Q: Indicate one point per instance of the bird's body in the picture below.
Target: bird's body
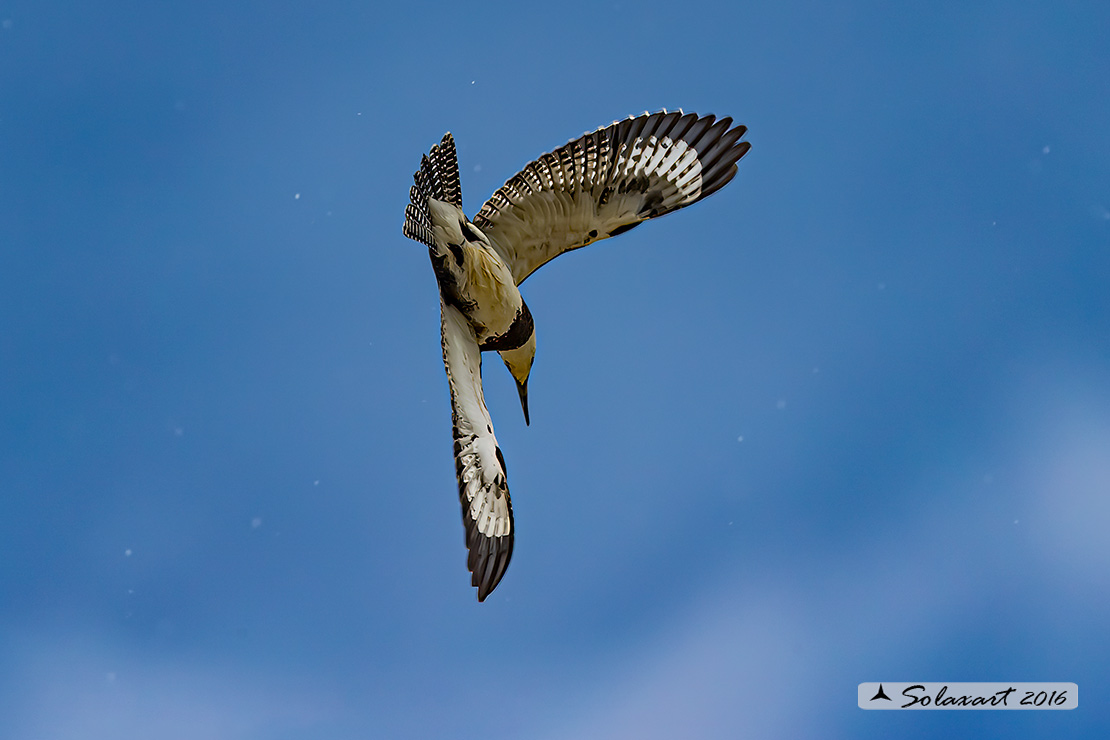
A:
(597, 186)
(474, 277)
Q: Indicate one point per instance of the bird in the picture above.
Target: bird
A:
(597, 186)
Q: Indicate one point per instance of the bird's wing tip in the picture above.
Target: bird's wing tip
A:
(487, 511)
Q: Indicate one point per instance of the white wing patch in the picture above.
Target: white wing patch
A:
(483, 485)
(607, 182)
(674, 162)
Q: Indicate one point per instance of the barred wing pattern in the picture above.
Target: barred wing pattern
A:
(483, 487)
(608, 182)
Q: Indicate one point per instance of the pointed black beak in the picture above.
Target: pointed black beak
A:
(522, 389)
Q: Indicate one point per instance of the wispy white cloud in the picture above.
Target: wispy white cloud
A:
(1070, 485)
(77, 686)
(736, 661)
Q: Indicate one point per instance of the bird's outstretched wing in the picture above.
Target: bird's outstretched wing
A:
(608, 182)
(483, 488)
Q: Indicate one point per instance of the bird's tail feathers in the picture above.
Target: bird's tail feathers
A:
(438, 177)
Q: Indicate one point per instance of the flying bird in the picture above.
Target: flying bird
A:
(597, 186)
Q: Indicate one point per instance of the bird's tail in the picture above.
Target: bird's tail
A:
(438, 177)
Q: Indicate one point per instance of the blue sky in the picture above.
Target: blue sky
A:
(847, 420)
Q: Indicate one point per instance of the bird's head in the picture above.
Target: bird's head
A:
(519, 362)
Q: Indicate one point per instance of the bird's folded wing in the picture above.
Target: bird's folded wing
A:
(483, 488)
(607, 182)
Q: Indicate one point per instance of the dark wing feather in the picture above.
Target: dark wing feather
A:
(483, 486)
(607, 182)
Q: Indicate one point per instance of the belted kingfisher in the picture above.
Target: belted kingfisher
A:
(597, 186)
